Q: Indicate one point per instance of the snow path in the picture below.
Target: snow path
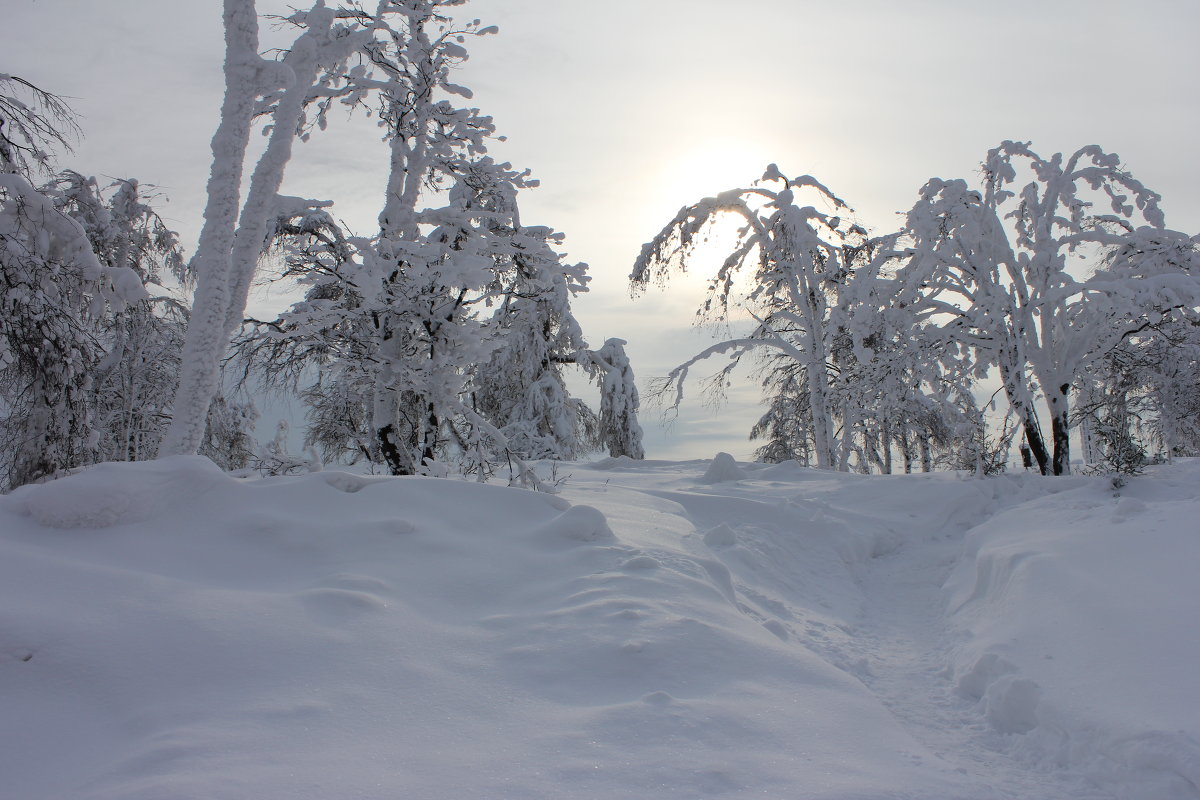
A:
(893, 637)
(902, 638)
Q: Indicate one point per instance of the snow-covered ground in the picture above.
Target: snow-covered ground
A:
(658, 629)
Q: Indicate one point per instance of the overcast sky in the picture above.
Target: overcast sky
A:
(628, 110)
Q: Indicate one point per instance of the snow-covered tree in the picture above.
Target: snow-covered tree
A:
(619, 430)
(899, 384)
(423, 274)
(797, 260)
(233, 233)
(245, 81)
(997, 272)
(53, 288)
(504, 374)
(140, 343)
(1141, 400)
(786, 425)
(228, 439)
(535, 336)
(33, 123)
(444, 335)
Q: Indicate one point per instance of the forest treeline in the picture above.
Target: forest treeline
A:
(440, 341)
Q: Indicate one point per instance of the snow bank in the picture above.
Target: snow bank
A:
(169, 631)
(1079, 620)
(118, 494)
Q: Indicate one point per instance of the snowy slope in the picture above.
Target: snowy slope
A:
(659, 629)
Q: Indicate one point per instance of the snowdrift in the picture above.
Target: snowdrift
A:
(659, 629)
(1081, 614)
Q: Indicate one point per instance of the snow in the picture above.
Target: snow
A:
(723, 468)
(167, 630)
(1117, 566)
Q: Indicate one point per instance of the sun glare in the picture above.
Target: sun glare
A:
(699, 169)
(705, 168)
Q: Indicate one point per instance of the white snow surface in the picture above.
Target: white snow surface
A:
(169, 631)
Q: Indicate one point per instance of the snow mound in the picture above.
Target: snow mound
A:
(578, 523)
(723, 468)
(116, 494)
(626, 464)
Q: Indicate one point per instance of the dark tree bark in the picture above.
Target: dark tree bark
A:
(1060, 430)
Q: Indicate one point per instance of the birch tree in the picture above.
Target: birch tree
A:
(797, 260)
(996, 271)
(444, 335)
(535, 337)
(233, 233)
(139, 343)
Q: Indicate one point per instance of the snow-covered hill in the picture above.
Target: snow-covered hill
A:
(659, 629)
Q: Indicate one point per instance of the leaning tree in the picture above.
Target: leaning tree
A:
(798, 262)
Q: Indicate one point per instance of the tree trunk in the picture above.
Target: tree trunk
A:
(1037, 445)
(887, 449)
(393, 452)
(1028, 417)
(207, 336)
(1060, 429)
(433, 428)
(822, 433)
(871, 449)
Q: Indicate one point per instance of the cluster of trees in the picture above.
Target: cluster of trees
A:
(439, 340)
(443, 336)
(1056, 277)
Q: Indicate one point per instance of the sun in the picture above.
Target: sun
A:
(706, 167)
(699, 168)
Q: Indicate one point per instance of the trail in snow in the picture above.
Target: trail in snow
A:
(893, 637)
(903, 638)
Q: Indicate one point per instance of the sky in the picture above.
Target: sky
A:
(628, 110)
